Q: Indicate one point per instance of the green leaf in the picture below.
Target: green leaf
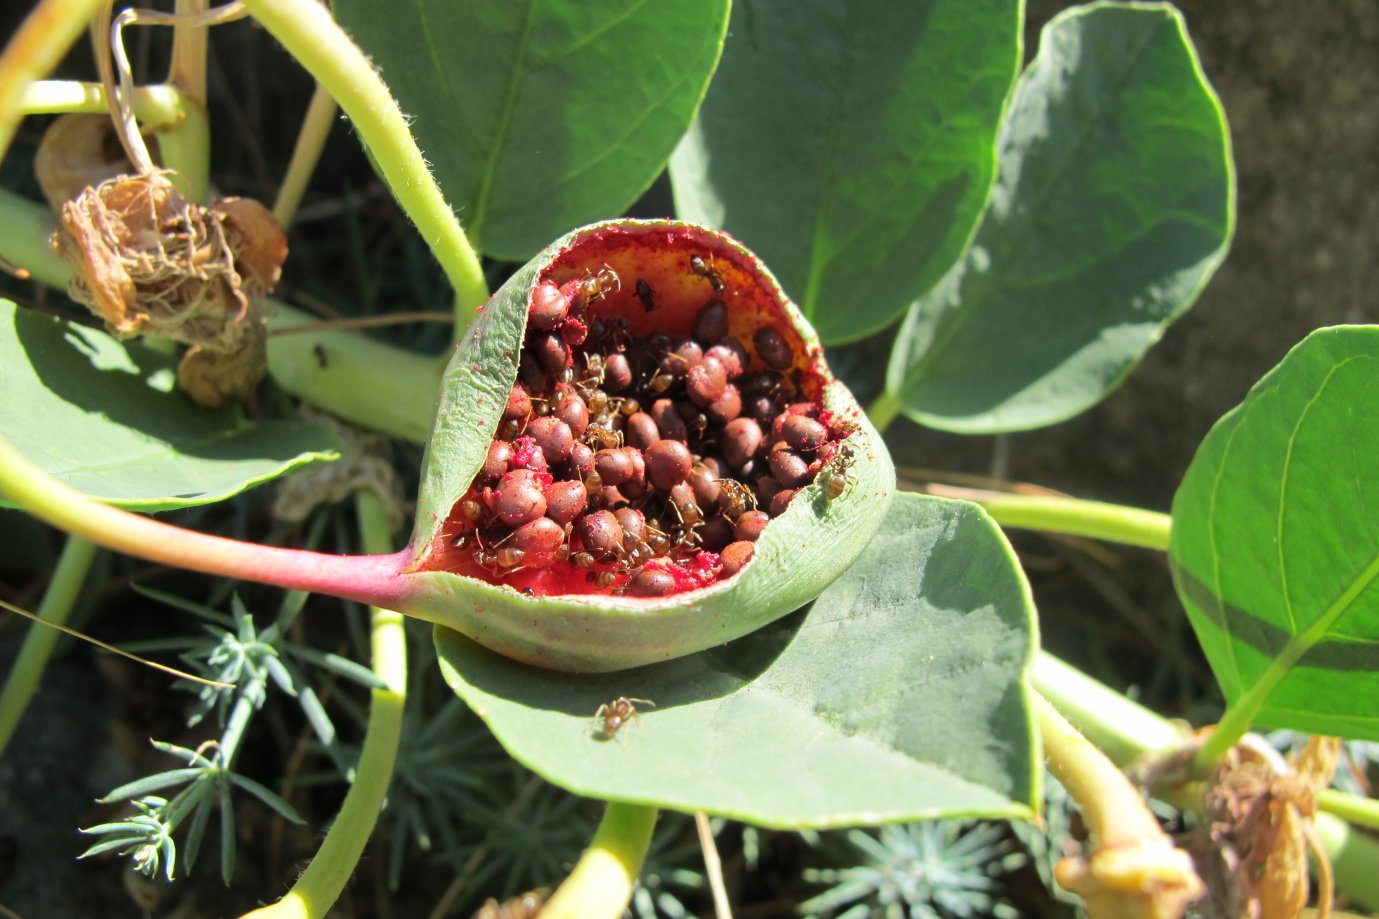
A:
(852, 146)
(104, 416)
(1113, 205)
(1275, 546)
(540, 117)
(899, 694)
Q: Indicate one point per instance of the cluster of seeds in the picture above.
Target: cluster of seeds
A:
(644, 465)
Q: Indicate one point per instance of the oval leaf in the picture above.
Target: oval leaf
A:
(1275, 550)
(104, 416)
(1113, 205)
(898, 695)
(540, 117)
(852, 145)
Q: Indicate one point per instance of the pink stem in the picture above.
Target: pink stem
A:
(372, 579)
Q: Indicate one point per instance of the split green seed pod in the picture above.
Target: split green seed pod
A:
(587, 629)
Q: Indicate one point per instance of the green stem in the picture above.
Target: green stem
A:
(350, 375)
(42, 40)
(58, 600)
(1359, 811)
(601, 884)
(320, 885)
(306, 29)
(883, 411)
(311, 140)
(1112, 522)
(1124, 729)
(1132, 731)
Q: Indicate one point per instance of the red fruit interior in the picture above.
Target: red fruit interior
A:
(609, 263)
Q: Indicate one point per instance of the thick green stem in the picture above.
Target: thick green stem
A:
(320, 885)
(1359, 811)
(600, 886)
(56, 606)
(1131, 731)
(1112, 522)
(350, 375)
(883, 411)
(43, 38)
(311, 140)
(306, 29)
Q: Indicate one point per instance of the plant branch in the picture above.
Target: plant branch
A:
(311, 140)
(58, 600)
(1117, 523)
(43, 38)
(321, 884)
(187, 71)
(306, 29)
(372, 579)
(1135, 868)
(883, 411)
(600, 886)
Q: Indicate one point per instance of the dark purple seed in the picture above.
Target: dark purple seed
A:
(668, 463)
(651, 582)
(570, 408)
(668, 421)
(681, 358)
(735, 556)
(601, 534)
(712, 464)
(617, 373)
(518, 498)
(519, 402)
(613, 466)
(780, 500)
(712, 323)
(581, 461)
(773, 348)
(789, 468)
(633, 524)
(529, 369)
(762, 408)
(565, 501)
(767, 486)
(730, 353)
(551, 352)
(548, 307)
(716, 534)
(726, 407)
(705, 485)
(641, 431)
(741, 440)
(496, 463)
(538, 540)
(803, 433)
(553, 437)
(706, 381)
(611, 497)
(750, 525)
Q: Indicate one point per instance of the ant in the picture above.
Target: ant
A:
(617, 713)
(837, 476)
(705, 271)
(735, 498)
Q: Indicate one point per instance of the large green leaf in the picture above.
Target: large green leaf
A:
(105, 417)
(898, 694)
(1275, 542)
(538, 117)
(852, 145)
(1113, 205)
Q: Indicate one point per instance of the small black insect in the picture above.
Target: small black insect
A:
(646, 295)
(320, 352)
